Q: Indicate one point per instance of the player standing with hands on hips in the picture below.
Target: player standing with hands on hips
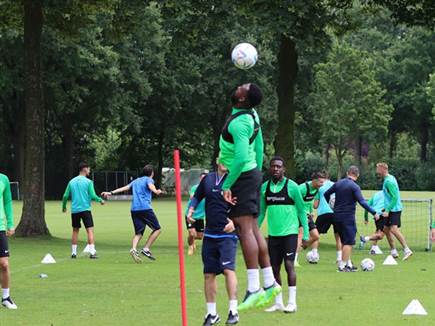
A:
(241, 152)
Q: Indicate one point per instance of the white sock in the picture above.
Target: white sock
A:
(314, 251)
(233, 306)
(406, 249)
(367, 238)
(349, 263)
(5, 293)
(296, 257)
(394, 251)
(146, 249)
(292, 294)
(268, 277)
(74, 249)
(341, 264)
(253, 280)
(339, 255)
(211, 308)
(278, 300)
(92, 250)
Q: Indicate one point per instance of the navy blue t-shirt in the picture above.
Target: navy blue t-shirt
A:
(216, 208)
(347, 193)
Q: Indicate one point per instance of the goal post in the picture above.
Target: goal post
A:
(416, 222)
(15, 190)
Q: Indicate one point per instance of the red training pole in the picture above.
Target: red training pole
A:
(180, 237)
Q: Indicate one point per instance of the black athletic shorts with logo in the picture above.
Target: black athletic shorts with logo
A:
(142, 219)
(198, 225)
(4, 248)
(324, 222)
(282, 248)
(346, 229)
(247, 191)
(85, 216)
(380, 223)
(394, 218)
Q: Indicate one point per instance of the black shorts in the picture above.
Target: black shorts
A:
(198, 225)
(219, 254)
(282, 248)
(247, 191)
(380, 224)
(324, 222)
(347, 231)
(4, 248)
(311, 224)
(394, 218)
(141, 219)
(85, 216)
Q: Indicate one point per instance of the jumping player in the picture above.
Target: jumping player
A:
(282, 203)
(241, 152)
(219, 245)
(82, 192)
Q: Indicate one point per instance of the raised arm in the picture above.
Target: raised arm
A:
(107, 194)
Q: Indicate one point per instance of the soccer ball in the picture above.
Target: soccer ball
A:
(312, 258)
(332, 201)
(367, 265)
(244, 56)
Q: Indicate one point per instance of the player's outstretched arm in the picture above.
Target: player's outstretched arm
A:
(153, 188)
(359, 197)
(107, 194)
(65, 197)
(93, 194)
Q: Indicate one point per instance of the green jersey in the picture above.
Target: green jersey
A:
(242, 154)
(199, 213)
(82, 192)
(6, 212)
(283, 204)
(308, 194)
(391, 192)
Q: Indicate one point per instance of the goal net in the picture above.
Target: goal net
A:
(15, 189)
(416, 222)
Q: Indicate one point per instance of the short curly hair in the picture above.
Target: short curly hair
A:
(255, 96)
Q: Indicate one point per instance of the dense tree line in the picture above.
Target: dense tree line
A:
(122, 83)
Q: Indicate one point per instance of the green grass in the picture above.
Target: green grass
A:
(115, 291)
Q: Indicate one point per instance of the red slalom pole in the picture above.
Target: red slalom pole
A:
(180, 237)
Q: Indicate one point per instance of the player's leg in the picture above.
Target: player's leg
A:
(139, 229)
(191, 239)
(276, 254)
(76, 225)
(153, 223)
(347, 231)
(88, 222)
(227, 258)
(290, 246)
(395, 223)
(4, 272)
(391, 242)
(338, 246)
(211, 262)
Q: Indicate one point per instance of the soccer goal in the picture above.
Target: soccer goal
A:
(416, 224)
(15, 189)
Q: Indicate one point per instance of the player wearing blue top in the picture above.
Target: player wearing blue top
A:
(347, 193)
(219, 244)
(195, 224)
(142, 213)
(392, 211)
(325, 215)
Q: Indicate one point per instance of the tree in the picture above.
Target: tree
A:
(32, 220)
(348, 101)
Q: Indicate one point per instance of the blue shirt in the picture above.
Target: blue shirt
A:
(324, 207)
(347, 193)
(142, 194)
(377, 202)
(216, 208)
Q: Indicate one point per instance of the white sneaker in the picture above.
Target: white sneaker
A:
(395, 254)
(8, 303)
(275, 307)
(407, 255)
(377, 250)
(290, 308)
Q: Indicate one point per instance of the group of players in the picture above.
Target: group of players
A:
(237, 201)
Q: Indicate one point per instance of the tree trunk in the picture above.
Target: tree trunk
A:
(288, 68)
(160, 158)
(359, 144)
(33, 220)
(327, 155)
(392, 145)
(424, 140)
(340, 155)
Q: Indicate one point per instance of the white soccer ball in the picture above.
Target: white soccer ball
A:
(367, 265)
(332, 201)
(312, 258)
(244, 56)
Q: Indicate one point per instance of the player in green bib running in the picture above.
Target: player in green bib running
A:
(195, 223)
(309, 190)
(82, 192)
(241, 152)
(282, 204)
(6, 230)
(392, 210)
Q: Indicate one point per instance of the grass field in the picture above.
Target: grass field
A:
(115, 291)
